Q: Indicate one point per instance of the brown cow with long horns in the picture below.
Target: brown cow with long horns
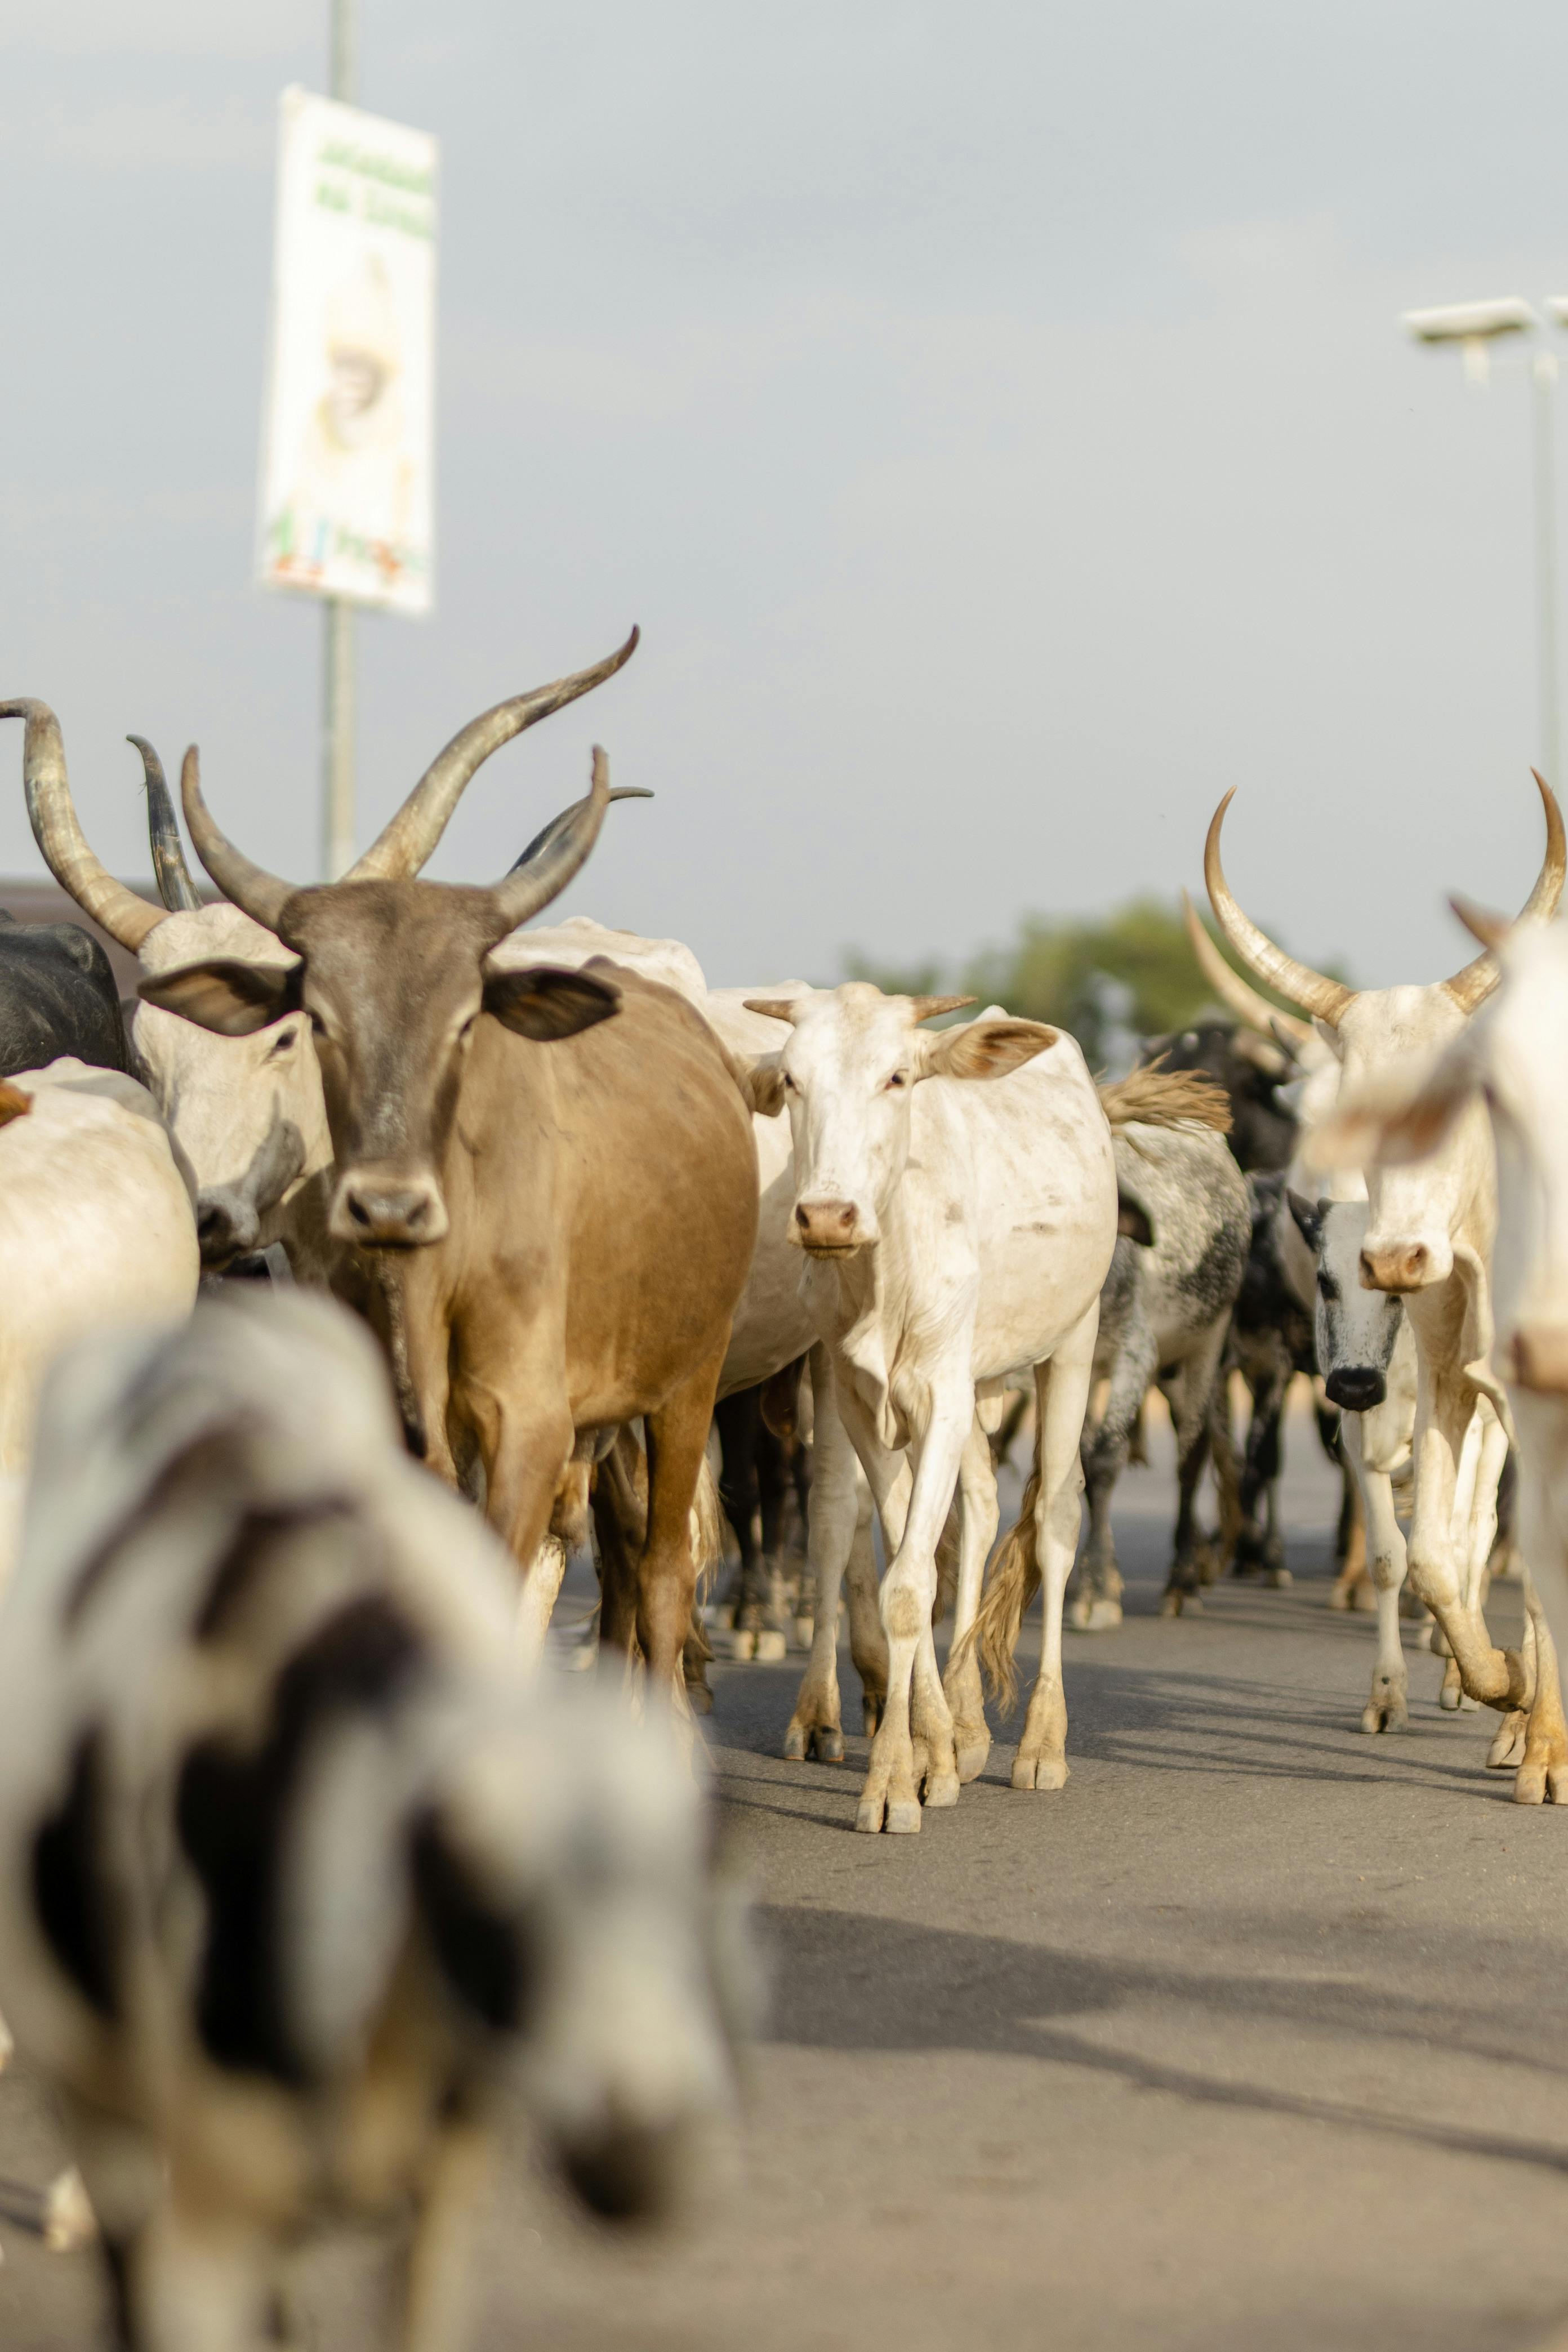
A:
(545, 1188)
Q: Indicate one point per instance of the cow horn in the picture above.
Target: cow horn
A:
(1480, 977)
(926, 1008)
(1231, 988)
(1482, 923)
(775, 1008)
(1303, 986)
(175, 886)
(256, 893)
(407, 839)
(124, 914)
(551, 832)
(562, 851)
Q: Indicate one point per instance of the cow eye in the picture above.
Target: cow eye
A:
(790, 1087)
(898, 1079)
(317, 1027)
(282, 1041)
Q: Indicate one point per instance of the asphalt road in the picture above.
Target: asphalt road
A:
(1255, 2035)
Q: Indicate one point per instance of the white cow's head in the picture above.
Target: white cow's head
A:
(1416, 1213)
(1509, 1059)
(1354, 1330)
(852, 1062)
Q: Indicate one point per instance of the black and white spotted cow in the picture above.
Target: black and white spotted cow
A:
(297, 1869)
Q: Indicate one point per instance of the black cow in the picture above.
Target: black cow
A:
(1262, 1134)
(57, 996)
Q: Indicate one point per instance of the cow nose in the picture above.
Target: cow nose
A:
(1355, 1387)
(226, 1225)
(1396, 1266)
(827, 1226)
(379, 1214)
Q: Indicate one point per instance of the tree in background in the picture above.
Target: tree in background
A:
(1100, 977)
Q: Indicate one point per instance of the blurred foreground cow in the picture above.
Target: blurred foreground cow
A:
(1513, 1059)
(953, 1232)
(298, 1875)
(544, 1189)
(1428, 1240)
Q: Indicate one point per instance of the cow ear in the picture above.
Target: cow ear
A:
(546, 1002)
(983, 1049)
(15, 1103)
(1308, 1220)
(761, 1082)
(1132, 1220)
(230, 998)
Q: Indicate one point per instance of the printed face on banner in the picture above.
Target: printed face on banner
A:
(347, 460)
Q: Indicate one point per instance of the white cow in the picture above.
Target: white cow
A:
(1511, 1059)
(1428, 1240)
(97, 1229)
(953, 1232)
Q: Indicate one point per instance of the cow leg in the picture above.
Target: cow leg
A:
(739, 1421)
(916, 1708)
(1387, 1709)
(1352, 1577)
(203, 2281)
(667, 1573)
(1061, 1388)
(772, 1491)
(1461, 1516)
(867, 1642)
(536, 1603)
(435, 2284)
(1098, 1603)
(1542, 1741)
(815, 1728)
(1444, 1407)
(1189, 1396)
(1226, 1472)
(977, 1486)
(1259, 1546)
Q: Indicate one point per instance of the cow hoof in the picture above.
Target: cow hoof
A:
(700, 1698)
(1452, 1693)
(1176, 1603)
(1341, 1596)
(771, 1649)
(974, 1748)
(741, 1646)
(804, 1632)
(1276, 1579)
(827, 1744)
(1508, 1745)
(941, 1791)
(1039, 1772)
(1469, 1706)
(1097, 1615)
(1385, 1715)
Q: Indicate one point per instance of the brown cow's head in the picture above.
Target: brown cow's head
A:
(393, 976)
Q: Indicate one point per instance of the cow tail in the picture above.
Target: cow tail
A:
(1014, 1580)
(707, 1523)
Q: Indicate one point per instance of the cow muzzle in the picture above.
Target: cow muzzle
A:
(1537, 1358)
(383, 1210)
(1405, 1265)
(1355, 1387)
(830, 1228)
(226, 1225)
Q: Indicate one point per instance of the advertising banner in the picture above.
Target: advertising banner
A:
(348, 432)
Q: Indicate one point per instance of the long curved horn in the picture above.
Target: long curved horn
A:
(256, 893)
(551, 832)
(1303, 986)
(1490, 929)
(175, 886)
(124, 914)
(567, 842)
(407, 839)
(1231, 988)
(926, 1008)
(1480, 977)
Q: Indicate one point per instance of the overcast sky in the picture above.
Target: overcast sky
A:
(994, 414)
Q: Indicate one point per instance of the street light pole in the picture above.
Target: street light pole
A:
(1476, 326)
(338, 642)
(1544, 393)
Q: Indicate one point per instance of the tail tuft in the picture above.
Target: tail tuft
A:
(1014, 1580)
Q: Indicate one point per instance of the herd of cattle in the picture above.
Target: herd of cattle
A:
(298, 1859)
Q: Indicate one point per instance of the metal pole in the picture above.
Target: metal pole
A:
(338, 639)
(1543, 378)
